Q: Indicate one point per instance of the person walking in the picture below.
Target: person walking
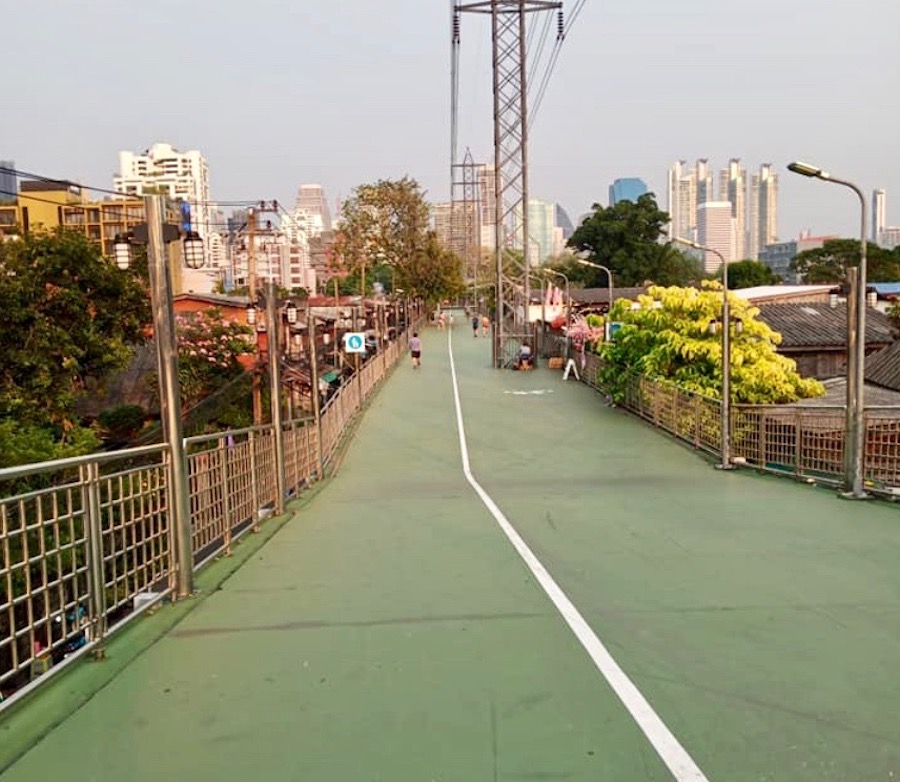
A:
(485, 325)
(475, 326)
(415, 349)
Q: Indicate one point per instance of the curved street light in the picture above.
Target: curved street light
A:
(726, 353)
(854, 429)
(609, 278)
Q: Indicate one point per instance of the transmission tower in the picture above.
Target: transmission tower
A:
(465, 215)
(510, 59)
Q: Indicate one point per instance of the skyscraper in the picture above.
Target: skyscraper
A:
(716, 230)
(486, 182)
(682, 201)
(763, 224)
(704, 181)
(627, 189)
(733, 188)
(879, 214)
(311, 199)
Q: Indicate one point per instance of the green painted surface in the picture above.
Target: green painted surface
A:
(389, 631)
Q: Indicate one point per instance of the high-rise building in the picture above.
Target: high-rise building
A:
(879, 213)
(457, 231)
(716, 230)
(546, 236)
(626, 189)
(486, 181)
(8, 182)
(704, 179)
(311, 199)
(163, 169)
(564, 223)
(890, 237)
(733, 188)
(763, 224)
(682, 201)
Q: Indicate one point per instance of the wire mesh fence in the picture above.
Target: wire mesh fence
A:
(803, 441)
(87, 543)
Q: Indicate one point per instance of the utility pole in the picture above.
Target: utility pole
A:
(169, 392)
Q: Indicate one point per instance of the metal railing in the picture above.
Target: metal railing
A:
(802, 441)
(86, 543)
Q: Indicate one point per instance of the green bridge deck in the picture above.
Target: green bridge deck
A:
(389, 630)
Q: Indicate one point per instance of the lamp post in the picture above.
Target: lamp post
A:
(156, 234)
(726, 353)
(548, 270)
(855, 428)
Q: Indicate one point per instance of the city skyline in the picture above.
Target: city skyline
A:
(775, 110)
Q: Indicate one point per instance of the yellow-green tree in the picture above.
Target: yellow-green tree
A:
(668, 334)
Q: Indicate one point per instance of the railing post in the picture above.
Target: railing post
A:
(90, 482)
(798, 443)
(254, 482)
(226, 500)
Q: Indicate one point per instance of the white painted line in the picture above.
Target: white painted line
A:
(670, 751)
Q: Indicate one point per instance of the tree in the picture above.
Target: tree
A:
(385, 222)
(209, 349)
(668, 337)
(748, 274)
(625, 238)
(67, 315)
(829, 262)
(433, 273)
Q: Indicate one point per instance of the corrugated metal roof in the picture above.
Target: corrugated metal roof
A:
(812, 324)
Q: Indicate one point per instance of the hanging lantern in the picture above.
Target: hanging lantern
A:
(122, 251)
(290, 311)
(194, 251)
(251, 315)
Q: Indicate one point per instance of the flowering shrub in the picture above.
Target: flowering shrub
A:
(666, 335)
(209, 347)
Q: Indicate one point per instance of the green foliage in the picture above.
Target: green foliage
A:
(625, 238)
(748, 274)
(387, 224)
(433, 273)
(668, 337)
(829, 262)
(122, 422)
(66, 314)
(24, 443)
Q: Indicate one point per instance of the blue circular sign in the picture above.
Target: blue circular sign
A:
(354, 342)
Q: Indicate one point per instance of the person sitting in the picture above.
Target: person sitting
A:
(526, 358)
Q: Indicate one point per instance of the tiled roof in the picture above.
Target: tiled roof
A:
(812, 325)
(883, 367)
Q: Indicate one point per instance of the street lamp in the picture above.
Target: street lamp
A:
(156, 234)
(609, 279)
(726, 353)
(854, 428)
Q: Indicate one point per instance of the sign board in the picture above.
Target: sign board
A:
(354, 342)
(611, 330)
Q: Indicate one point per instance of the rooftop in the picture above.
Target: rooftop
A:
(812, 324)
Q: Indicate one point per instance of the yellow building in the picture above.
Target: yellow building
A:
(48, 205)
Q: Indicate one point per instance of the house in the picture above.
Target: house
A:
(815, 335)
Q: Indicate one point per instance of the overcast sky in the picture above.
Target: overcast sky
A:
(342, 92)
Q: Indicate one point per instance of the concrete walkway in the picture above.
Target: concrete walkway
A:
(391, 632)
